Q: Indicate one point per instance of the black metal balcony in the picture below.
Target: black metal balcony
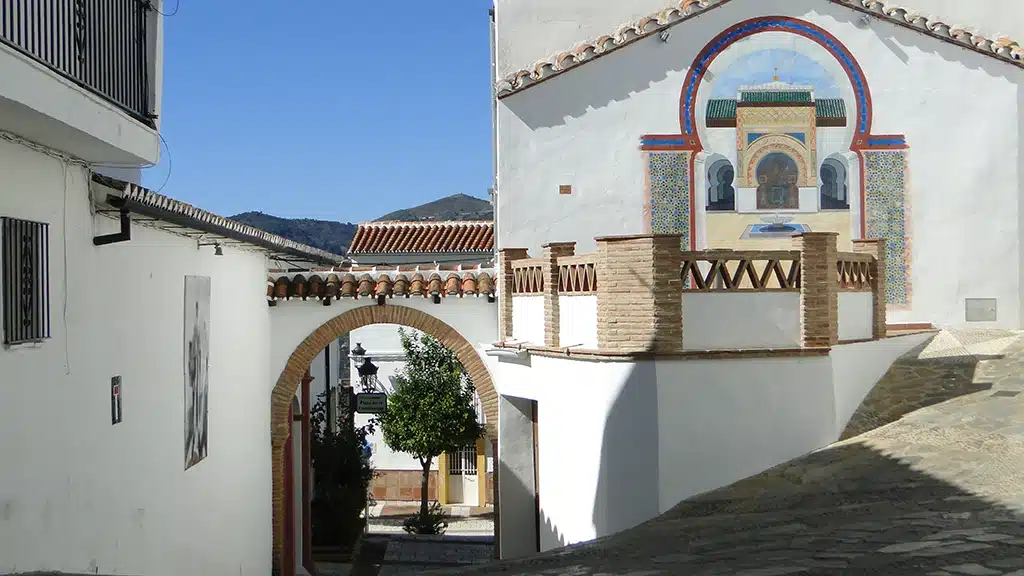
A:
(101, 45)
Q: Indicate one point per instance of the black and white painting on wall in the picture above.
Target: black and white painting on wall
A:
(197, 362)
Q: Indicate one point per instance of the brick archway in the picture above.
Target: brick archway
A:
(299, 361)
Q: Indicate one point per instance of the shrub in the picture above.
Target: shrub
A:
(432, 521)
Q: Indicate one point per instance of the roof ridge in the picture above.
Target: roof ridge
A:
(427, 222)
(1001, 48)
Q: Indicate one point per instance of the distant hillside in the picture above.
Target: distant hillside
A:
(323, 234)
(455, 207)
(336, 236)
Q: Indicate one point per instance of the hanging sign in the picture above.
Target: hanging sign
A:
(371, 402)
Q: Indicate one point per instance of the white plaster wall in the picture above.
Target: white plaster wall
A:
(67, 471)
(516, 479)
(44, 107)
(583, 128)
(577, 321)
(721, 421)
(597, 444)
(856, 315)
(530, 30)
(528, 319)
(856, 368)
(738, 320)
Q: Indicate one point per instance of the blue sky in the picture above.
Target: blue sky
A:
(759, 68)
(334, 110)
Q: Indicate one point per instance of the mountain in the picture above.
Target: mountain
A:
(454, 207)
(323, 234)
(336, 236)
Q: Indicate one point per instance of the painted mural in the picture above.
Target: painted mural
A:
(774, 143)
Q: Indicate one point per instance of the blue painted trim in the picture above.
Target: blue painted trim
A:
(661, 142)
(887, 142)
(798, 136)
(777, 24)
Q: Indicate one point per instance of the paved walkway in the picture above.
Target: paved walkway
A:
(939, 491)
(387, 518)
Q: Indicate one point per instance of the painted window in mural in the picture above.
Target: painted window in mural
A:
(834, 188)
(777, 175)
(721, 192)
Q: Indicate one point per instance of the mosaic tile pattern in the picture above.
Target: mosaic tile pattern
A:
(668, 179)
(886, 216)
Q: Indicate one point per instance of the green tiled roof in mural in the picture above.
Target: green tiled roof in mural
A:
(721, 109)
(830, 108)
(779, 96)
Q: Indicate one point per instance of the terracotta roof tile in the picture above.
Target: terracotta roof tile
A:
(422, 237)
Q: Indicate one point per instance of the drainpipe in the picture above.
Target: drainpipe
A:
(494, 129)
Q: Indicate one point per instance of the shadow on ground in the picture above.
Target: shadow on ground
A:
(848, 509)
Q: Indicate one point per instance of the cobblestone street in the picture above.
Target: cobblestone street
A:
(938, 491)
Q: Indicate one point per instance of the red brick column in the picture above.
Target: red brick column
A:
(819, 289)
(876, 247)
(552, 316)
(639, 294)
(307, 468)
(505, 259)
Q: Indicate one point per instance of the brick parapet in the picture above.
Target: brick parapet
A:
(639, 294)
(819, 289)
(505, 275)
(876, 247)
(552, 314)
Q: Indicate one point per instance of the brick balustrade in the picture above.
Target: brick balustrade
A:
(640, 283)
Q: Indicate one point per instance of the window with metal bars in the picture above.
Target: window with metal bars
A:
(25, 261)
(462, 461)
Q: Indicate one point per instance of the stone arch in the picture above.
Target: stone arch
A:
(300, 359)
(834, 189)
(777, 143)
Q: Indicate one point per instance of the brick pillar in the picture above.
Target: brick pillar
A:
(505, 259)
(819, 289)
(552, 316)
(639, 294)
(876, 247)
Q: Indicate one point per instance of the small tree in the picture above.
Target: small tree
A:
(431, 409)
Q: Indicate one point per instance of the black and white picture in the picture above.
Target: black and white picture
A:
(197, 362)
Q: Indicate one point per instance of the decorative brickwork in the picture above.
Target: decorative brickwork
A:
(552, 252)
(298, 363)
(877, 248)
(819, 289)
(507, 279)
(639, 294)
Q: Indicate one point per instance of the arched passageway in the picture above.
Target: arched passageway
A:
(291, 377)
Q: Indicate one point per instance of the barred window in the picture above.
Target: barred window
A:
(25, 248)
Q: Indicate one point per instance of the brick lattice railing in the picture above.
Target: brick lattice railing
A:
(640, 281)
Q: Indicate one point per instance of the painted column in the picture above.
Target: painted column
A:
(505, 259)
(517, 490)
(307, 477)
(552, 315)
(819, 289)
(876, 247)
(494, 499)
(639, 294)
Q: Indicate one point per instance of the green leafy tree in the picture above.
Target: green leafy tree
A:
(431, 409)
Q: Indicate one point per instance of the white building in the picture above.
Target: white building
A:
(807, 168)
(455, 479)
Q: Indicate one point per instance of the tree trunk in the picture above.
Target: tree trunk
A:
(424, 485)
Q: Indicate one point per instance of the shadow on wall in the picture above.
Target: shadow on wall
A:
(914, 382)
(848, 508)
(628, 480)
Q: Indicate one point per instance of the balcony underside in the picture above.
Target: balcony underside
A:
(43, 107)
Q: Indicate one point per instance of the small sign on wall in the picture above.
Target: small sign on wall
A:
(371, 403)
(115, 400)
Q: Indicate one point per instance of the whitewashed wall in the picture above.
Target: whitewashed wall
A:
(583, 127)
(528, 319)
(577, 321)
(605, 428)
(856, 316)
(79, 495)
(739, 320)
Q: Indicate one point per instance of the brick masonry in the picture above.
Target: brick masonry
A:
(639, 294)
(405, 486)
(877, 248)
(505, 259)
(552, 315)
(288, 383)
(819, 289)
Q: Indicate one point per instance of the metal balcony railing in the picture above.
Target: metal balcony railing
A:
(101, 45)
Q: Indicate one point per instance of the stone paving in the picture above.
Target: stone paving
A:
(414, 555)
(939, 491)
